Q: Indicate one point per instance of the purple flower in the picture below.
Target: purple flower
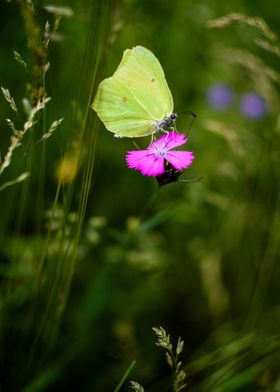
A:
(253, 105)
(219, 96)
(152, 161)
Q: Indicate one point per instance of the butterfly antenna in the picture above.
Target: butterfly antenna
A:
(193, 117)
(192, 114)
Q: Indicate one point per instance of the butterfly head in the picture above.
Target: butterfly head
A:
(167, 123)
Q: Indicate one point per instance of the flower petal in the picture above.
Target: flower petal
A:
(146, 162)
(174, 139)
(152, 166)
(179, 159)
(135, 158)
(168, 141)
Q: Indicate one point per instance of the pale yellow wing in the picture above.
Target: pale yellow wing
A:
(119, 110)
(136, 97)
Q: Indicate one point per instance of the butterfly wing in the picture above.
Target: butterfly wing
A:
(136, 97)
(119, 111)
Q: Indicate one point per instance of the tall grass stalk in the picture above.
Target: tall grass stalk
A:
(50, 282)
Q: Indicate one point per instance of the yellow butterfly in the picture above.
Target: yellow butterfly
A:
(136, 100)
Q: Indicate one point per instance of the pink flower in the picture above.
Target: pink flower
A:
(151, 162)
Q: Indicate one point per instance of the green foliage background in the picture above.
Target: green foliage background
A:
(88, 266)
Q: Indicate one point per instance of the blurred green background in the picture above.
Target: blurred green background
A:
(93, 255)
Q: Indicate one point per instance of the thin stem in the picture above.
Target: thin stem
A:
(124, 377)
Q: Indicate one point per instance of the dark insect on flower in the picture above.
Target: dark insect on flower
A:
(170, 174)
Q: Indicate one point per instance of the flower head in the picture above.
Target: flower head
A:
(152, 161)
(219, 96)
(253, 105)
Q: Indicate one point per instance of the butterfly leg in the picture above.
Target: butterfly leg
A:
(136, 145)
